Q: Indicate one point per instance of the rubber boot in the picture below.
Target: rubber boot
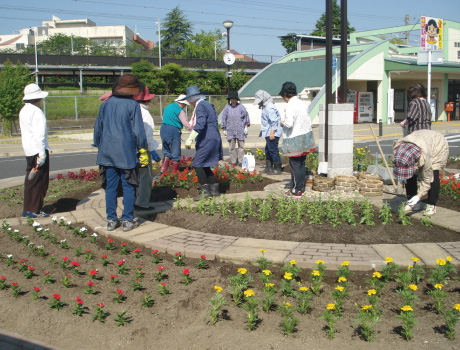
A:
(204, 192)
(175, 166)
(268, 166)
(276, 170)
(165, 165)
(214, 189)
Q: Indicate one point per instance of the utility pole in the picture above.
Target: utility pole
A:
(406, 22)
(159, 41)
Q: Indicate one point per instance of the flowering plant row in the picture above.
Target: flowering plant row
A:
(83, 175)
(450, 186)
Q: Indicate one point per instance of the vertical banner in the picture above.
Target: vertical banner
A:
(431, 33)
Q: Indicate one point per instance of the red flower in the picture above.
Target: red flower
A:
(36, 289)
(53, 254)
(74, 264)
(110, 240)
(46, 273)
(21, 261)
(93, 272)
(203, 257)
(138, 250)
(155, 251)
(65, 259)
(56, 296)
(79, 301)
(139, 267)
(104, 256)
(100, 304)
(163, 284)
(31, 268)
(14, 284)
(120, 263)
(89, 251)
(90, 283)
(113, 276)
(195, 179)
(161, 268)
(119, 292)
(123, 244)
(186, 271)
(2, 278)
(68, 276)
(178, 253)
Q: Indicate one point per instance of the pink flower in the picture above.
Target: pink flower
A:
(178, 253)
(120, 263)
(119, 292)
(163, 284)
(68, 276)
(65, 259)
(155, 251)
(79, 301)
(3, 278)
(46, 273)
(21, 261)
(56, 296)
(110, 240)
(113, 276)
(93, 272)
(124, 244)
(53, 254)
(161, 268)
(186, 271)
(74, 264)
(89, 251)
(14, 284)
(100, 304)
(36, 289)
(138, 250)
(31, 268)
(90, 283)
(203, 257)
(139, 267)
(104, 256)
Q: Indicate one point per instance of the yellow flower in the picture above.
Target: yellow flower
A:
(285, 303)
(409, 267)
(377, 274)
(249, 293)
(413, 286)
(388, 260)
(242, 270)
(345, 263)
(438, 286)
(415, 259)
(316, 273)
(269, 285)
(330, 306)
(371, 292)
(303, 289)
(440, 262)
(448, 258)
(406, 308)
(292, 262)
(287, 276)
(319, 262)
(457, 307)
(218, 289)
(266, 272)
(366, 307)
(340, 288)
(262, 250)
(342, 279)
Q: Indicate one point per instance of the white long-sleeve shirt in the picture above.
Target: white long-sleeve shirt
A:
(34, 132)
(296, 121)
(149, 126)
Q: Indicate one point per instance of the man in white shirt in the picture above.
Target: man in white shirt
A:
(35, 144)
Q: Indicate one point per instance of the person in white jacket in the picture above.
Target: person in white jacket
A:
(32, 121)
(146, 173)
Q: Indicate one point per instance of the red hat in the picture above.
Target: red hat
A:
(144, 95)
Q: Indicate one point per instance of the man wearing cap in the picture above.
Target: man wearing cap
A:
(235, 123)
(35, 144)
(120, 137)
(297, 138)
(208, 142)
(174, 120)
(423, 153)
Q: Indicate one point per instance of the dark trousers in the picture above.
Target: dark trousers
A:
(205, 176)
(433, 193)
(297, 165)
(272, 151)
(35, 189)
(114, 176)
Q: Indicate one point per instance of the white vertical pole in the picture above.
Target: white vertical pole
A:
(36, 58)
(336, 96)
(429, 77)
(76, 108)
(71, 42)
(159, 42)
(81, 81)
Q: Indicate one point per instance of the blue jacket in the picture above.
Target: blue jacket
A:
(270, 120)
(119, 133)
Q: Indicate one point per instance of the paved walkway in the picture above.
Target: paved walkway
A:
(168, 239)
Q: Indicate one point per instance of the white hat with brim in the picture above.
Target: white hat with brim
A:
(181, 99)
(33, 92)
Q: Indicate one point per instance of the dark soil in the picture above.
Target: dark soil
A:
(177, 320)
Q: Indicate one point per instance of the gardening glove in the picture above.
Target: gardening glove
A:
(143, 157)
(225, 132)
(41, 159)
(155, 156)
(245, 130)
(188, 143)
(413, 201)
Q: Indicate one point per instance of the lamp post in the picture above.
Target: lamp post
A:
(228, 24)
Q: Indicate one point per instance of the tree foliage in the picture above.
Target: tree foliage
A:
(176, 31)
(321, 23)
(289, 44)
(203, 45)
(13, 80)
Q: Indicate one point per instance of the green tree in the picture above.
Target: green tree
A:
(176, 31)
(174, 78)
(321, 23)
(13, 80)
(239, 78)
(289, 44)
(149, 75)
(61, 44)
(203, 45)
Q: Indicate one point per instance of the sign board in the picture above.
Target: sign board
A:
(431, 33)
(436, 57)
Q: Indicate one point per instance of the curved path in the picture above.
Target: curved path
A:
(169, 239)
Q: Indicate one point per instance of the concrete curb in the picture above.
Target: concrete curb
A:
(14, 341)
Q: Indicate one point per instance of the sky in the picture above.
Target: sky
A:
(257, 24)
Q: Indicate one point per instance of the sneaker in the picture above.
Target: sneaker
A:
(29, 214)
(429, 210)
(112, 225)
(141, 207)
(42, 215)
(128, 225)
(298, 194)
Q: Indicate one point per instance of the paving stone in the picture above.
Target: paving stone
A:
(250, 254)
(82, 215)
(161, 247)
(429, 252)
(400, 254)
(265, 244)
(150, 236)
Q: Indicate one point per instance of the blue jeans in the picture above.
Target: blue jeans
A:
(113, 178)
(272, 151)
(170, 137)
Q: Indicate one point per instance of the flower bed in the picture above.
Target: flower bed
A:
(102, 287)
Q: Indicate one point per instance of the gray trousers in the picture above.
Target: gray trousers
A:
(231, 150)
(145, 184)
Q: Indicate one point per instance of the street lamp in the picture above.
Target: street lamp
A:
(229, 60)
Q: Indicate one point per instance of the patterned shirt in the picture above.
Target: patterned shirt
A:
(234, 119)
(418, 115)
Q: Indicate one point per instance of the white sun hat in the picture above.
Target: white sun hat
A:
(181, 99)
(33, 92)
